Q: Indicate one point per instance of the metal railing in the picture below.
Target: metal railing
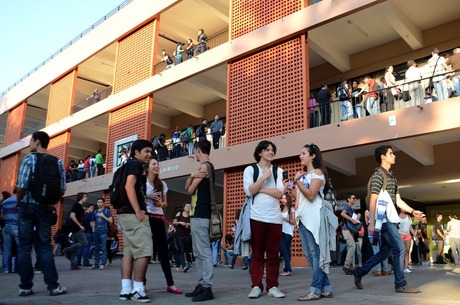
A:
(91, 100)
(336, 117)
(92, 27)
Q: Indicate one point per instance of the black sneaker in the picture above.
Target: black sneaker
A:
(25, 292)
(347, 271)
(205, 295)
(124, 297)
(358, 283)
(137, 297)
(195, 292)
(186, 269)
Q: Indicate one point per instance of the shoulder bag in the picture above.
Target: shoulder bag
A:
(215, 222)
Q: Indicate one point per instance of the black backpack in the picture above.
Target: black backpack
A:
(117, 192)
(45, 186)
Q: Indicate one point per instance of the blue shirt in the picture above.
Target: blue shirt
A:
(101, 225)
(26, 170)
(10, 211)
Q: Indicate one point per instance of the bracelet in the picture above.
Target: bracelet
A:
(296, 179)
(412, 212)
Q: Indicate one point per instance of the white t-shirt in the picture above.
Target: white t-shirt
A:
(404, 225)
(265, 208)
(287, 227)
(309, 211)
(454, 226)
(150, 190)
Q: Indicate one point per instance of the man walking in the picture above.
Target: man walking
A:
(349, 215)
(137, 236)
(440, 238)
(77, 229)
(197, 185)
(216, 131)
(391, 241)
(35, 223)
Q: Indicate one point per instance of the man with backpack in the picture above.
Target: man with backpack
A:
(391, 241)
(35, 215)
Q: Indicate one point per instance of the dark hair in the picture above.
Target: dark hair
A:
(318, 162)
(80, 196)
(349, 195)
(262, 146)
(6, 195)
(438, 214)
(289, 202)
(43, 137)
(204, 146)
(139, 145)
(100, 198)
(157, 184)
(379, 151)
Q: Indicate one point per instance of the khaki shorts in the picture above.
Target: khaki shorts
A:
(137, 236)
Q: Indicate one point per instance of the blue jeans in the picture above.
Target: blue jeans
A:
(384, 264)
(371, 104)
(100, 241)
(441, 90)
(456, 81)
(202, 250)
(285, 251)
(84, 251)
(342, 247)
(320, 281)
(33, 216)
(359, 111)
(231, 253)
(390, 243)
(215, 252)
(10, 233)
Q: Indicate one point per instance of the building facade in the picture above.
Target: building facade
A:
(263, 61)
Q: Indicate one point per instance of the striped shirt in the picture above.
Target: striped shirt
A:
(10, 211)
(377, 183)
(26, 171)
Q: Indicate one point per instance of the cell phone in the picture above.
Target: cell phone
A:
(285, 176)
(291, 184)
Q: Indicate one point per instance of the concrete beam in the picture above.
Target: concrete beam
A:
(209, 85)
(216, 9)
(180, 104)
(342, 161)
(334, 56)
(402, 25)
(421, 151)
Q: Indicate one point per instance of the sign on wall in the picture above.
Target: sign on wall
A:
(122, 150)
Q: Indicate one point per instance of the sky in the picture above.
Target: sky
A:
(31, 31)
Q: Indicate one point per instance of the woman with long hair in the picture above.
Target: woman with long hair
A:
(183, 238)
(288, 214)
(406, 231)
(156, 191)
(310, 183)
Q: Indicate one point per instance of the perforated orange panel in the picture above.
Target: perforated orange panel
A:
(58, 146)
(267, 95)
(249, 15)
(134, 62)
(9, 172)
(15, 124)
(235, 198)
(130, 120)
(61, 98)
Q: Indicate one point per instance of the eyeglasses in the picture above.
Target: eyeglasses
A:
(354, 198)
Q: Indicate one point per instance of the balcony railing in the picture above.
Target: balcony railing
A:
(91, 100)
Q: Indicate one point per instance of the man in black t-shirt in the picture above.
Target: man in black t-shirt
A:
(137, 236)
(440, 238)
(324, 100)
(77, 229)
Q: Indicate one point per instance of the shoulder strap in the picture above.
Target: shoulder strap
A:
(211, 186)
(255, 174)
(275, 172)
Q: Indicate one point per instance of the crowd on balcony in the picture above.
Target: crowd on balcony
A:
(182, 141)
(438, 80)
(91, 166)
(190, 50)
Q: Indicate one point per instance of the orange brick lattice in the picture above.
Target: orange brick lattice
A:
(61, 98)
(235, 198)
(249, 15)
(129, 69)
(267, 93)
(9, 168)
(15, 124)
(130, 120)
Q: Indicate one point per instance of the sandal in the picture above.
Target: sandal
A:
(287, 273)
(327, 294)
(309, 297)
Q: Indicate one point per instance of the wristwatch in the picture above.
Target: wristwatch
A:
(296, 179)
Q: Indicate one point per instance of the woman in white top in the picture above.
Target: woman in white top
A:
(266, 220)
(391, 91)
(156, 191)
(288, 214)
(309, 184)
(406, 231)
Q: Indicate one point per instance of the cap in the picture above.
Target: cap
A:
(423, 215)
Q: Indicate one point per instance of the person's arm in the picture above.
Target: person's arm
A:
(291, 218)
(311, 192)
(404, 206)
(345, 215)
(108, 219)
(372, 208)
(75, 220)
(195, 178)
(131, 193)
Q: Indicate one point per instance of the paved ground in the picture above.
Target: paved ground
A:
(439, 284)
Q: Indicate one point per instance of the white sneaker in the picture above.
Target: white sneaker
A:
(255, 292)
(407, 270)
(275, 292)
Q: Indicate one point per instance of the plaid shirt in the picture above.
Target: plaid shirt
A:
(26, 171)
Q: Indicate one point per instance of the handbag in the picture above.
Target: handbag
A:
(353, 228)
(392, 214)
(215, 222)
(405, 93)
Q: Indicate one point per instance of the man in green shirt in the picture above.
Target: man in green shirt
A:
(100, 163)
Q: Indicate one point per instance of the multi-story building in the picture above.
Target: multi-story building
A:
(263, 60)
